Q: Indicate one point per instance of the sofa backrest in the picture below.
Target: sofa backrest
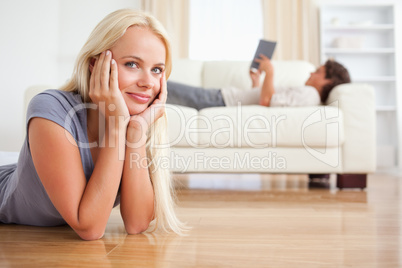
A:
(218, 74)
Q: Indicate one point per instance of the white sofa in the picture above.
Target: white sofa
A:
(336, 138)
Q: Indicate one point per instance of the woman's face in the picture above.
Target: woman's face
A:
(140, 56)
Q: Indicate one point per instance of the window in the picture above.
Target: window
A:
(224, 29)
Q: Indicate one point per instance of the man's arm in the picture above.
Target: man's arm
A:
(267, 89)
(255, 78)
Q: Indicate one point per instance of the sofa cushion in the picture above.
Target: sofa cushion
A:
(183, 125)
(187, 71)
(218, 74)
(292, 73)
(218, 127)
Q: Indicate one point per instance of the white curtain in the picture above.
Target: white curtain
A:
(294, 24)
(173, 14)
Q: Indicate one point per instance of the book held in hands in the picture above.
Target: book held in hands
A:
(266, 48)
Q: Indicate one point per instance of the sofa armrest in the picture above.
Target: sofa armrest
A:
(358, 106)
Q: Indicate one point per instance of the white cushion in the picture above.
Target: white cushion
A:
(291, 73)
(183, 124)
(260, 127)
(187, 71)
(218, 74)
(236, 73)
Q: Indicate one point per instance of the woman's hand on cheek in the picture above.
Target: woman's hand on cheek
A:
(140, 123)
(104, 90)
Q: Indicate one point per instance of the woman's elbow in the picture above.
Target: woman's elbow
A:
(137, 228)
(90, 235)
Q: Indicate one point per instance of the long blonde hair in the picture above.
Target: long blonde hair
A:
(103, 37)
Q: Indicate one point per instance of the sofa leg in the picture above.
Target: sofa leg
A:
(351, 181)
(318, 181)
(318, 176)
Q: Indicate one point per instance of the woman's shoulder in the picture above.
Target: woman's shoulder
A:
(55, 100)
(52, 95)
(59, 106)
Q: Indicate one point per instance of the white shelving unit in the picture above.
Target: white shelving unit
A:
(362, 38)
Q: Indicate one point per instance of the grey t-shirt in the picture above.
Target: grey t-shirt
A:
(23, 199)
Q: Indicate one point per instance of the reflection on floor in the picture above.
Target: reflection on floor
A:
(246, 182)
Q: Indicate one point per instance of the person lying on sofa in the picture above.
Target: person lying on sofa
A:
(315, 91)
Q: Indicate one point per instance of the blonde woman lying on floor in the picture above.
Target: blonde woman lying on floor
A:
(74, 166)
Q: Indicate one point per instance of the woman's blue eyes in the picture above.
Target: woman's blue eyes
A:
(131, 64)
(157, 70)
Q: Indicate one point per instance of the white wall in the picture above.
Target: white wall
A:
(398, 73)
(28, 53)
(77, 20)
(38, 44)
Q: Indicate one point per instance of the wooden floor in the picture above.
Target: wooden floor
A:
(246, 220)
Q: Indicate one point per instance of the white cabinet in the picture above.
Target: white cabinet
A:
(362, 38)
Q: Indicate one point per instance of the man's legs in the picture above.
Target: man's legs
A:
(195, 97)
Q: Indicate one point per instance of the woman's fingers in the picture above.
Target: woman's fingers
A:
(114, 81)
(97, 69)
(104, 86)
(163, 92)
(92, 79)
(103, 74)
(162, 95)
(159, 104)
(101, 71)
(105, 71)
